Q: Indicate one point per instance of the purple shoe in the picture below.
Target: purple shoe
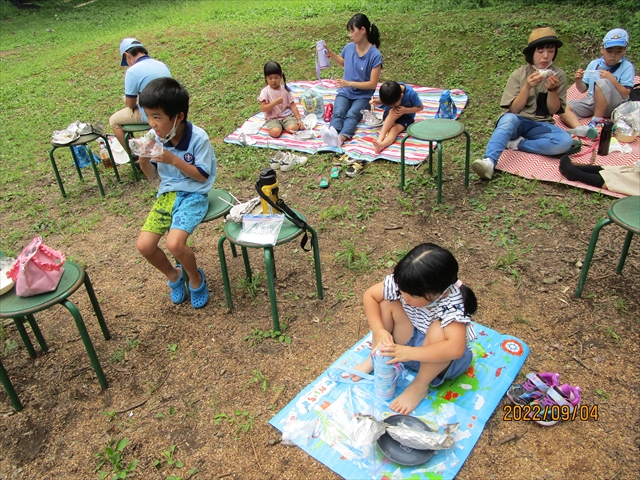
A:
(533, 388)
(558, 404)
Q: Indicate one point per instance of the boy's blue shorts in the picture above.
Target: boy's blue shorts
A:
(181, 210)
(404, 120)
(456, 368)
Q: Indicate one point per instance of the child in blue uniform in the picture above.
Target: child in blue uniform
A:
(187, 169)
(610, 89)
(401, 103)
(421, 316)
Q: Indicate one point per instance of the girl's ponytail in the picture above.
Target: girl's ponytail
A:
(284, 82)
(469, 299)
(374, 36)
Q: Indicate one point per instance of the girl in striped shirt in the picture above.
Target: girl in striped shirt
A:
(421, 316)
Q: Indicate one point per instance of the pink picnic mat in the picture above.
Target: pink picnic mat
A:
(359, 147)
(540, 167)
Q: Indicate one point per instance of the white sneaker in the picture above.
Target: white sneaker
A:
(483, 168)
(278, 158)
(513, 144)
(293, 160)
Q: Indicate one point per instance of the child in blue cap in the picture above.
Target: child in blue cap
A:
(607, 82)
(141, 70)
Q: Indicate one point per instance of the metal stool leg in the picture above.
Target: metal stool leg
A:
(270, 266)
(466, 164)
(88, 345)
(430, 159)
(8, 387)
(625, 250)
(402, 161)
(96, 307)
(439, 172)
(127, 136)
(225, 272)
(316, 261)
(56, 172)
(36, 331)
(247, 266)
(95, 169)
(19, 321)
(113, 162)
(76, 163)
(587, 260)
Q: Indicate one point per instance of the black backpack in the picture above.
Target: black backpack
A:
(634, 95)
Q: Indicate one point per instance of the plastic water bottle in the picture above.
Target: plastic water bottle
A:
(447, 108)
(104, 155)
(584, 131)
(384, 377)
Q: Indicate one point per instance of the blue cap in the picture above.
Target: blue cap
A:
(127, 44)
(616, 38)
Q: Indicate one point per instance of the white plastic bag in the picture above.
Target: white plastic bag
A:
(261, 229)
(627, 118)
(147, 146)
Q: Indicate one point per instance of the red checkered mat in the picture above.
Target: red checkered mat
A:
(540, 167)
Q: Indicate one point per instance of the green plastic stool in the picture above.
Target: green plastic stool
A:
(288, 232)
(82, 140)
(625, 213)
(435, 130)
(129, 130)
(21, 310)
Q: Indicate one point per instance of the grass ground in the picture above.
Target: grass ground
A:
(518, 241)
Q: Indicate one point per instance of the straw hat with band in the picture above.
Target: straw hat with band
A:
(542, 36)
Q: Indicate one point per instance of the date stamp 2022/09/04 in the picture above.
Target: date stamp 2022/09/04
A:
(532, 413)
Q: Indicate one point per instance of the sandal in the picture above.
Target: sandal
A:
(342, 160)
(356, 168)
(200, 295)
(323, 181)
(178, 291)
(535, 386)
(335, 172)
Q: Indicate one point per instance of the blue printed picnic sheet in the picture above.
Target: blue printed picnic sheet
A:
(318, 418)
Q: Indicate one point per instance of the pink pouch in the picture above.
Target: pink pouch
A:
(37, 270)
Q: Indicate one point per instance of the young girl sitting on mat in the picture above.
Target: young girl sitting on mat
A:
(421, 316)
(362, 62)
(276, 101)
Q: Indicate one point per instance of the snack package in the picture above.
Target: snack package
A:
(147, 146)
(370, 118)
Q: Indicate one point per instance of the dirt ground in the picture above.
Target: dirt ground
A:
(178, 376)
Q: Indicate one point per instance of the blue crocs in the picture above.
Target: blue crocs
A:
(199, 296)
(178, 290)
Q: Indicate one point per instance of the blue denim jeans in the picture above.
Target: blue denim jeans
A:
(346, 114)
(539, 137)
(456, 368)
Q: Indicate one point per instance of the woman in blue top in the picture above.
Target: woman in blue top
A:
(362, 62)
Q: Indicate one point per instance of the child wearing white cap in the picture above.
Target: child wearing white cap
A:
(142, 69)
(607, 82)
